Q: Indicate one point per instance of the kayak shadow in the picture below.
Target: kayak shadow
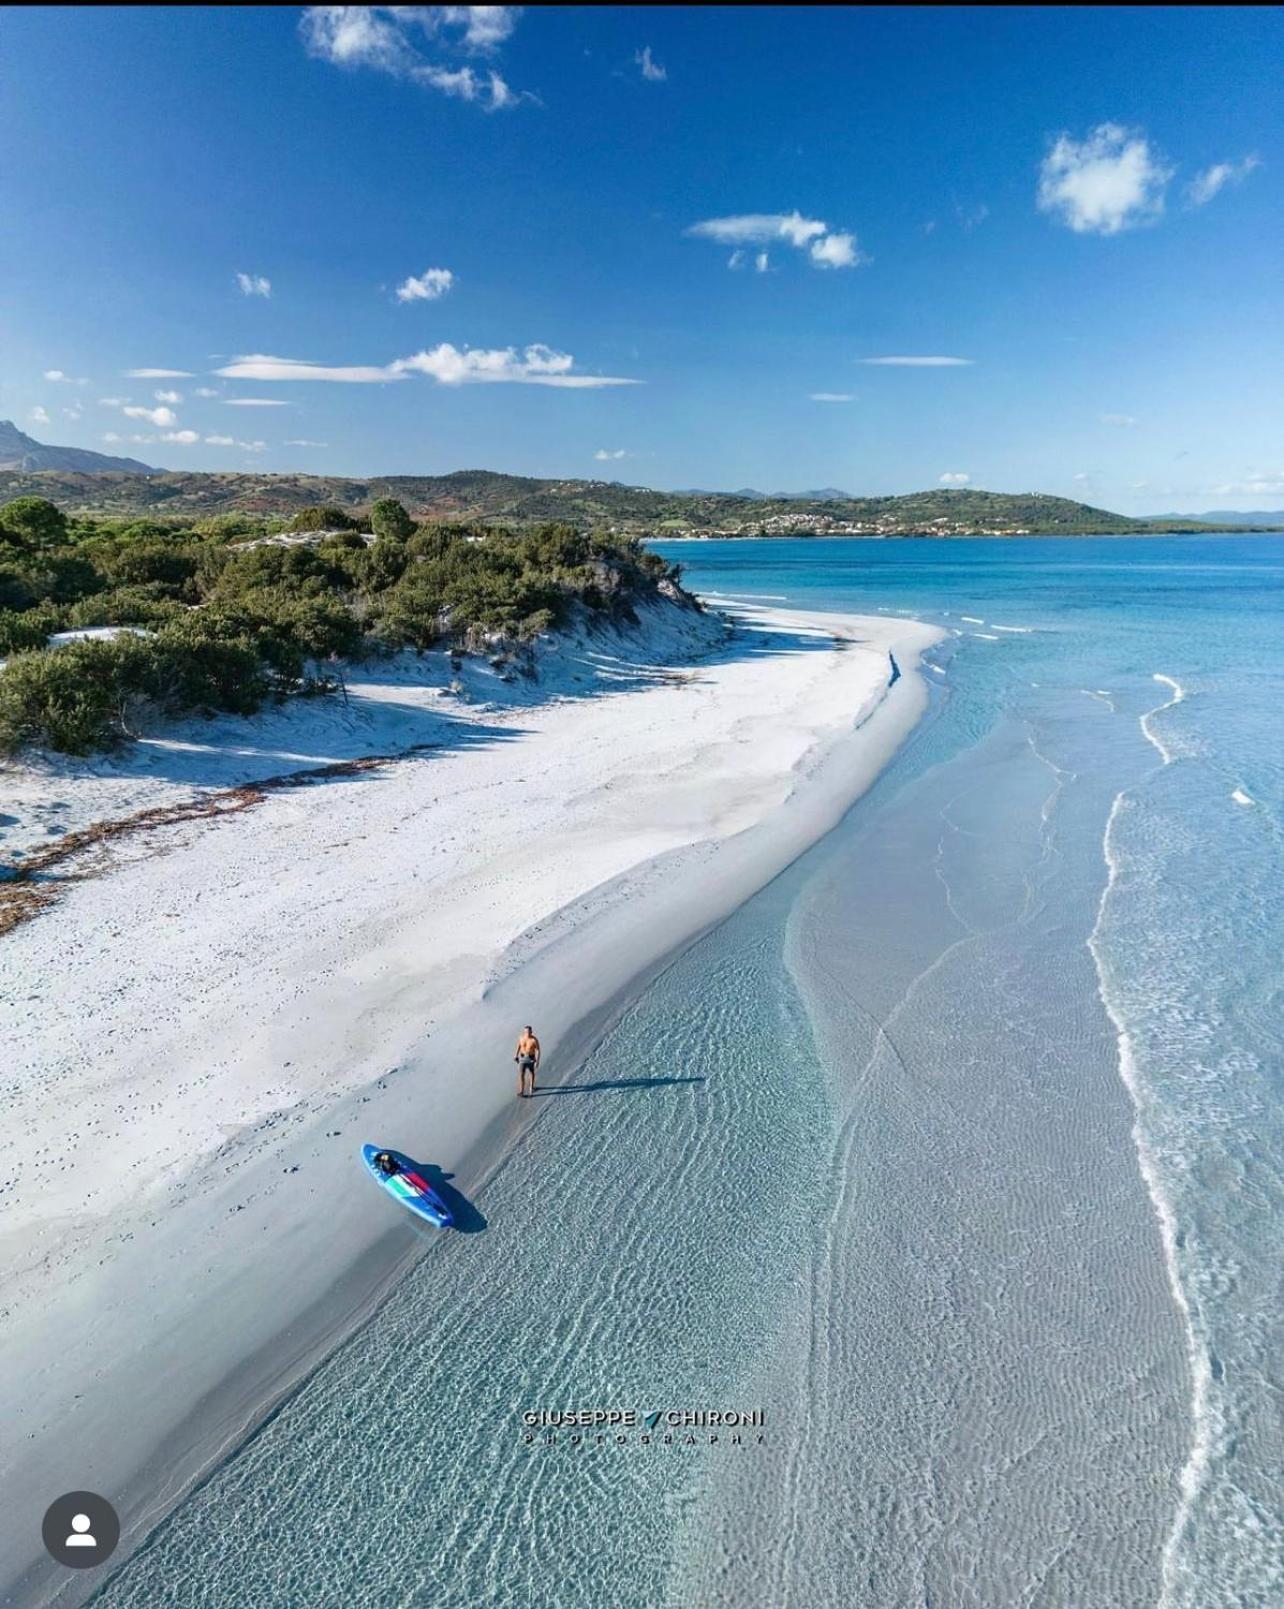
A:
(614, 1083)
(467, 1219)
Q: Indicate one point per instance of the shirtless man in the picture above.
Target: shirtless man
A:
(527, 1059)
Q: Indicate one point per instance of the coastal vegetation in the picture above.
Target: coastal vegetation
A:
(481, 497)
(224, 613)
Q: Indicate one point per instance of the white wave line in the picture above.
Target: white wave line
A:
(1195, 1468)
(1024, 630)
(1179, 693)
(972, 620)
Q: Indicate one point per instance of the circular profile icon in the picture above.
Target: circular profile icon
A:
(80, 1529)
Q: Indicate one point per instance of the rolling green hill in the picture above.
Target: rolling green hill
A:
(482, 496)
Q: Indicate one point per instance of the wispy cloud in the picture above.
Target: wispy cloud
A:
(1125, 421)
(1204, 186)
(259, 366)
(162, 418)
(220, 441)
(205, 391)
(972, 217)
(449, 365)
(39, 416)
(391, 39)
(1110, 181)
(432, 284)
(302, 441)
(60, 378)
(649, 67)
(253, 402)
(168, 396)
(254, 285)
(158, 374)
(954, 477)
(112, 402)
(184, 438)
(825, 248)
(831, 396)
(605, 455)
(1268, 484)
(917, 363)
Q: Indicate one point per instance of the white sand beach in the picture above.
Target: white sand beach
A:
(210, 1019)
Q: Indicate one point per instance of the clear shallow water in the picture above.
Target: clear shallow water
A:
(1009, 1299)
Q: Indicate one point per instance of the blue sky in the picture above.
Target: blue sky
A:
(470, 219)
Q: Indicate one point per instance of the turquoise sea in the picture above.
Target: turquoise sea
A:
(954, 1160)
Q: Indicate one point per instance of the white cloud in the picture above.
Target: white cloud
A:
(1267, 484)
(185, 438)
(534, 365)
(917, 363)
(762, 262)
(204, 391)
(254, 285)
(1204, 186)
(254, 402)
(954, 477)
(1110, 181)
(603, 455)
(302, 441)
(112, 402)
(219, 441)
(110, 435)
(59, 378)
(168, 396)
(430, 285)
(450, 365)
(831, 396)
(485, 27)
(74, 412)
(388, 38)
(651, 69)
(825, 249)
(1125, 421)
(253, 446)
(836, 251)
(39, 416)
(158, 374)
(160, 417)
(755, 228)
(259, 366)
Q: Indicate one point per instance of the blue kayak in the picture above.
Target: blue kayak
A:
(408, 1186)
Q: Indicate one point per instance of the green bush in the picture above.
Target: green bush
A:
(75, 699)
(148, 605)
(234, 624)
(28, 628)
(389, 518)
(37, 522)
(326, 517)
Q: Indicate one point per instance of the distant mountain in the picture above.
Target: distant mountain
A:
(481, 496)
(1254, 520)
(826, 494)
(22, 452)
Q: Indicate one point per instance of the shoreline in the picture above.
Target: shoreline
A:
(738, 803)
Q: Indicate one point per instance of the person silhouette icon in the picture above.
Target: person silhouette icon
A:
(80, 1530)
